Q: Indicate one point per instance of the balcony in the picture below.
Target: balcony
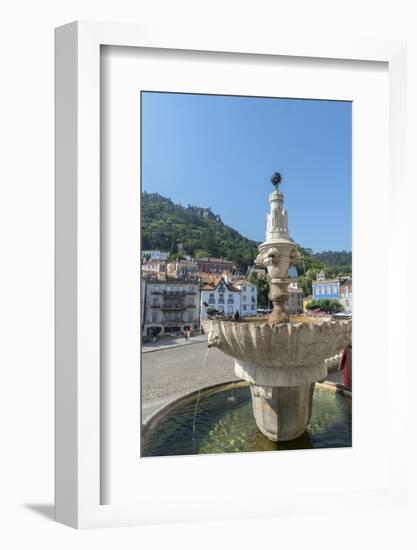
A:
(155, 305)
(172, 307)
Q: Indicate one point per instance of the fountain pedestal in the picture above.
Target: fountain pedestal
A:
(282, 413)
(282, 399)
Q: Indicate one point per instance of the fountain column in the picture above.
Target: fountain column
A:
(278, 253)
(282, 409)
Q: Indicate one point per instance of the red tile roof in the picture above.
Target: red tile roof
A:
(211, 282)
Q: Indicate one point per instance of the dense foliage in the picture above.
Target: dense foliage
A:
(325, 304)
(262, 285)
(166, 225)
(333, 258)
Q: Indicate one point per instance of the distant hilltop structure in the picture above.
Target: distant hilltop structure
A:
(206, 213)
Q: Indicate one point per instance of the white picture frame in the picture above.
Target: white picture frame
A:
(78, 320)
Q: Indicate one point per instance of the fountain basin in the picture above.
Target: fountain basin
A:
(224, 423)
(282, 363)
(299, 345)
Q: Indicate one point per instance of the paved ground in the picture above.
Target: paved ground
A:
(169, 344)
(178, 370)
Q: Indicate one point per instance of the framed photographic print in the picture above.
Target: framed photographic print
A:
(204, 283)
(215, 200)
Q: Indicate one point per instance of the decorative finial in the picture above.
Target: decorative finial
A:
(276, 179)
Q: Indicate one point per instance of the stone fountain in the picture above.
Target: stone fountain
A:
(281, 360)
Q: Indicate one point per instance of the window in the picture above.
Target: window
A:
(244, 298)
(323, 290)
(253, 299)
(253, 289)
(154, 316)
(329, 290)
(334, 289)
(244, 289)
(253, 308)
(244, 308)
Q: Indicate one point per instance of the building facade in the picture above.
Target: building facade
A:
(183, 269)
(215, 265)
(248, 297)
(218, 295)
(326, 289)
(295, 302)
(155, 254)
(335, 289)
(346, 295)
(171, 305)
(154, 268)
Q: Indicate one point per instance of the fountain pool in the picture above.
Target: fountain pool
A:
(225, 423)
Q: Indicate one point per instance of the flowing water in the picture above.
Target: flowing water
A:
(222, 422)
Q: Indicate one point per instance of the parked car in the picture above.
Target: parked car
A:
(262, 311)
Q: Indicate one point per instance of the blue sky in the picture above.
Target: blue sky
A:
(220, 152)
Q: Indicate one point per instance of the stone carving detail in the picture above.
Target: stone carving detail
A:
(277, 254)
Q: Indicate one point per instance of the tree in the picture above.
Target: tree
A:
(262, 284)
(325, 304)
(174, 248)
(200, 253)
(305, 284)
(208, 241)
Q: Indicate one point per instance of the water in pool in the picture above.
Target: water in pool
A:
(223, 422)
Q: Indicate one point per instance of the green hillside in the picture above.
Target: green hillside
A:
(166, 225)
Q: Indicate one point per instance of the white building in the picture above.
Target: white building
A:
(155, 254)
(249, 297)
(295, 302)
(154, 268)
(346, 295)
(217, 294)
(227, 297)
